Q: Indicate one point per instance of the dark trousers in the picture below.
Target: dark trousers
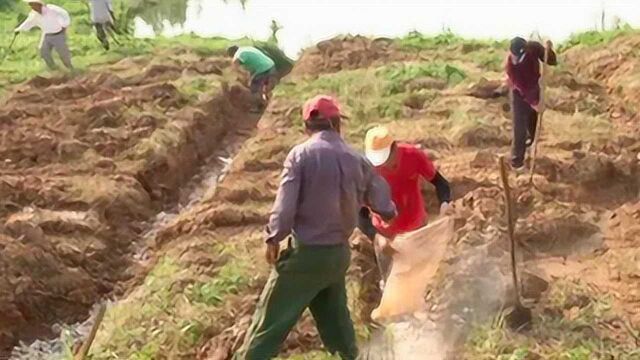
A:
(304, 277)
(101, 33)
(383, 260)
(525, 121)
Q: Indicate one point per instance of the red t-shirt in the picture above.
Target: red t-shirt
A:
(404, 181)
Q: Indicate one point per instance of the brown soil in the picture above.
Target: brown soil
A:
(580, 218)
(579, 183)
(87, 163)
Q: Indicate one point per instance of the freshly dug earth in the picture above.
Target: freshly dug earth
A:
(87, 163)
(588, 169)
(577, 220)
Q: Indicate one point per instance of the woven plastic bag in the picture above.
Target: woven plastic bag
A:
(418, 257)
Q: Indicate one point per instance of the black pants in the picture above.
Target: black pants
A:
(525, 121)
(101, 32)
(383, 260)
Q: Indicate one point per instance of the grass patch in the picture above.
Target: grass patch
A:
(397, 76)
(24, 61)
(416, 40)
(168, 316)
(370, 96)
(595, 37)
(567, 329)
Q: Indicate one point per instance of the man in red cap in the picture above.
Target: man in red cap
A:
(324, 184)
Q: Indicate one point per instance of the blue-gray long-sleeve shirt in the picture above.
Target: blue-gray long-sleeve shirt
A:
(324, 185)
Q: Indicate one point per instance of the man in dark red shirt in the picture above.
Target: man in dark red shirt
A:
(523, 72)
(402, 166)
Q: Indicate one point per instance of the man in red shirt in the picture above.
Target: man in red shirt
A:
(402, 166)
(523, 72)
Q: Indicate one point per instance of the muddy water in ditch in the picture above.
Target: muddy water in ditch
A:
(203, 183)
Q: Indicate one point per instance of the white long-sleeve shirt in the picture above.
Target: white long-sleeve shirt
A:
(52, 20)
(101, 11)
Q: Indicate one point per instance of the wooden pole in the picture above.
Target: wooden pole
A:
(15, 35)
(511, 226)
(541, 103)
(84, 349)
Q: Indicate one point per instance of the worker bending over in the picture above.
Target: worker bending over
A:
(402, 165)
(53, 21)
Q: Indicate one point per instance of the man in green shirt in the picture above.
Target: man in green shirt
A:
(261, 68)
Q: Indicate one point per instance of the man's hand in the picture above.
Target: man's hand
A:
(549, 44)
(384, 244)
(273, 252)
(446, 209)
(540, 108)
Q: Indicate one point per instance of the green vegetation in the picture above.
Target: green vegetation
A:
(372, 96)
(24, 61)
(570, 327)
(418, 41)
(594, 37)
(168, 316)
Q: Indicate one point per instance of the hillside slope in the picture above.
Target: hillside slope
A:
(88, 162)
(578, 222)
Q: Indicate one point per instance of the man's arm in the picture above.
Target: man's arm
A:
(286, 203)
(428, 171)
(443, 190)
(111, 12)
(539, 50)
(28, 23)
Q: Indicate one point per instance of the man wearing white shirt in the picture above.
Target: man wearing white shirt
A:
(53, 21)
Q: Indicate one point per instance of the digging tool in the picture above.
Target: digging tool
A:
(538, 133)
(519, 316)
(84, 349)
(9, 49)
(15, 35)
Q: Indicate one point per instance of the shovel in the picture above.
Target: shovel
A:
(538, 133)
(9, 49)
(520, 316)
(15, 35)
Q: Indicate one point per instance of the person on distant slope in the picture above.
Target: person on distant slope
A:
(402, 166)
(324, 184)
(103, 19)
(261, 68)
(523, 75)
(53, 21)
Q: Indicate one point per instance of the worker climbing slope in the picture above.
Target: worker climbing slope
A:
(262, 72)
(523, 75)
(402, 165)
(53, 21)
(324, 184)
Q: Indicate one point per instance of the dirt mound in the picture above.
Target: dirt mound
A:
(347, 52)
(581, 183)
(86, 162)
(615, 65)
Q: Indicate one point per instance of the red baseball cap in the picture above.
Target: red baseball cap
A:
(323, 105)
